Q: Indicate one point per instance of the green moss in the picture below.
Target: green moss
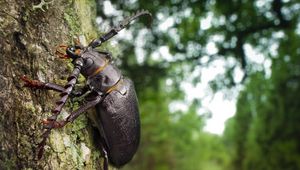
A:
(79, 123)
(43, 69)
(7, 161)
(8, 164)
(76, 18)
(70, 66)
(57, 141)
(72, 19)
(86, 9)
(25, 15)
(29, 106)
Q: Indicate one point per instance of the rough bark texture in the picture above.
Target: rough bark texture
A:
(28, 39)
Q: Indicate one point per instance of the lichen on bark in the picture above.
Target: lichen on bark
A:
(28, 39)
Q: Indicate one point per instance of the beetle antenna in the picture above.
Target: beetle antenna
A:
(112, 32)
(59, 104)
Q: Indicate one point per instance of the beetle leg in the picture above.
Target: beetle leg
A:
(90, 103)
(104, 153)
(56, 124)
(50, 123)
(36, 84)
(80, 92)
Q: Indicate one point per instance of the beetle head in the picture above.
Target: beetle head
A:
(66, 52)
(74, 52)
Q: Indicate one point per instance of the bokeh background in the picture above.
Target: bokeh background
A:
(217, 82)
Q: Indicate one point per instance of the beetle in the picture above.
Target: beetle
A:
(106, 89)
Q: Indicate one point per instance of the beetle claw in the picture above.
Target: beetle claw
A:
(47, 127)
(48, 124)
(36, 84)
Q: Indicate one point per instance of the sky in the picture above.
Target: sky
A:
(217, 105)
(220, 108)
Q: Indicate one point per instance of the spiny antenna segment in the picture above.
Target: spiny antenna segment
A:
(112, 32)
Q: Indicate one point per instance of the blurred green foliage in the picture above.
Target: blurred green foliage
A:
(265, 132)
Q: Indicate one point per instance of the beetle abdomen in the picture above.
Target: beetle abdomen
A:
(119, 116)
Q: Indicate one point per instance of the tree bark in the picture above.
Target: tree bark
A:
(29, 36)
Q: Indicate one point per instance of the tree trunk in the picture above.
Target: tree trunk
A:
(29, 36)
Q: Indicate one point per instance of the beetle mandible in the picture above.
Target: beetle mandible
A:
(112, 95)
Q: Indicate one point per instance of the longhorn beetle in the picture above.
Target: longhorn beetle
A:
(112, 95)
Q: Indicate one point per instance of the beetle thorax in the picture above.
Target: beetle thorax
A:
(99, 72)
